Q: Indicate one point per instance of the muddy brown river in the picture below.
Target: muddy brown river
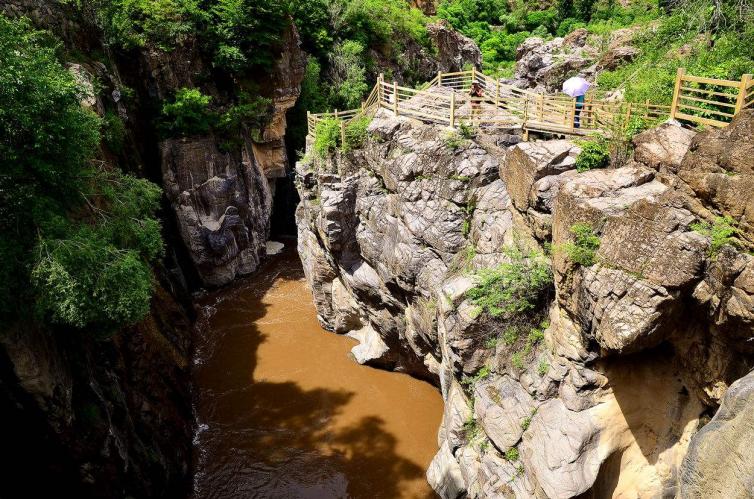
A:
(284, 412)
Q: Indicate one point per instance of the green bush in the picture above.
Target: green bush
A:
(583, 249)
(356, 133)
(513, 288)
(188, 113)
(251, 112)
(511, 454)
(247, 33)
(453, 140)
(543, 367)
(722, 231)
(348, 74)
(79, 239)
(135, 23)
(326, 137)
(594, 154)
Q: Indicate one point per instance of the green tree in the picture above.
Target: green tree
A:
(247, 33)
(76, 238)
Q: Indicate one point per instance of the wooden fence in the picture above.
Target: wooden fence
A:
(445, 100)
(710, 101)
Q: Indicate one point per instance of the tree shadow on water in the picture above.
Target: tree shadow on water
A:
(275, 439)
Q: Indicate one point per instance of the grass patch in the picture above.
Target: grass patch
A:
(513, 288)
(543, 367)
(722, 232)
(583, 249)
(453, 140)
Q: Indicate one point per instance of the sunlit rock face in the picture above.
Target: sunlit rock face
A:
(638, 348)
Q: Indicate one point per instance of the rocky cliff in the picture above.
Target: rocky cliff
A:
(629, 320)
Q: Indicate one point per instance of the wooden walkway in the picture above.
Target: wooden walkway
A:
(445, 100)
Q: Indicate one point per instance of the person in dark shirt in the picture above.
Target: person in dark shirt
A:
(476, 92)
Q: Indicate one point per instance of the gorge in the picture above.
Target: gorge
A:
(213, 289)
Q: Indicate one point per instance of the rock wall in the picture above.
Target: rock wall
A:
(87, 415)
(632, 350)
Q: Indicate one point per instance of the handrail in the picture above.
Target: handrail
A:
(715, 102)
(504, 104)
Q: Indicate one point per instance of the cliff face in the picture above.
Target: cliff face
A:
(94, 415)
(602, 388)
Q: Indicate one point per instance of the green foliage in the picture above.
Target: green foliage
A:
(113, 132)
(188, 113)
(247, 33)
(356, 132)
(466, 131)
(471, 429)
(722, 231)
(379, 22)
(348, 74)
(535, 336)
(513, 288)
(722, 52)
(453, 140)
(583, 249)
(251, 112)
(483, 374)
(511, 454)
(517, 360)
(594, 154)
(135, 23)
(525, 423)
(78, 240)
(326, 137)
(543, 367)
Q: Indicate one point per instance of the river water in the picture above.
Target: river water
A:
(284, 412)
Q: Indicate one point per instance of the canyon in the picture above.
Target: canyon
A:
(372, 362)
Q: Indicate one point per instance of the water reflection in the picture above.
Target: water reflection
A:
(289, 415)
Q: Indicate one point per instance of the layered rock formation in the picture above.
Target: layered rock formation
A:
(602, 389)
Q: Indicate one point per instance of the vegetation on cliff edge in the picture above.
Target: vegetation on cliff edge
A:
(76, 235)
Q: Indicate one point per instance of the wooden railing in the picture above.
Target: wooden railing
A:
(710, 101)
(445, 100)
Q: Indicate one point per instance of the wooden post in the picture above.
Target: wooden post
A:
(336, 113)
(573, 114)
(677, 91)
(473, 74)
(452, 110)
(439, 78)
(395, 98)
(342, 134)
(628, 113)
(741, 101)
(309, 131)
(541, 99)
(362, 107)
(380, 89)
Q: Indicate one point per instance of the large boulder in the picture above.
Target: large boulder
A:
(454, 50)
(664, 147)
(720, 459)
(720, 170)
(528, 162)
